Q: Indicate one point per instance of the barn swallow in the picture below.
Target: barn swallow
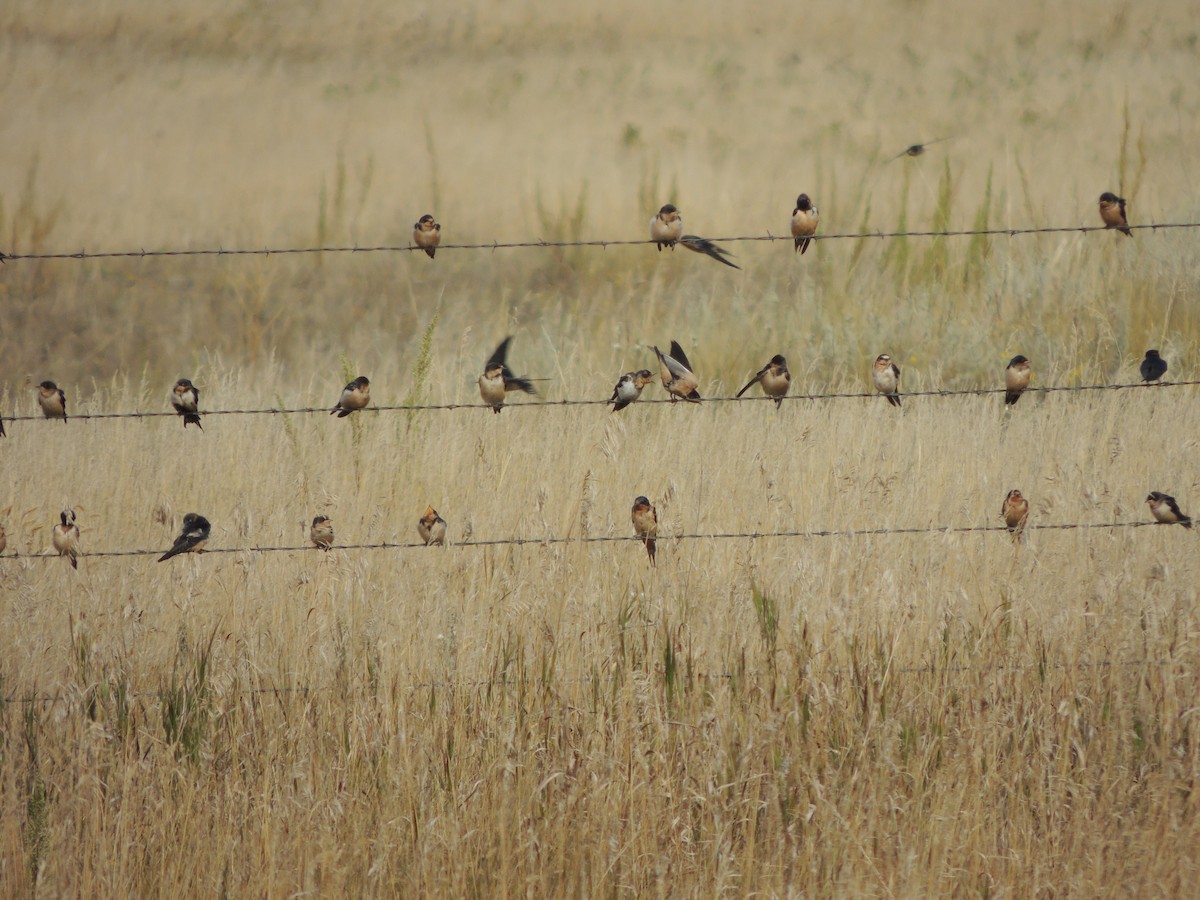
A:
(774, 378)
(804, 222)
(676, 373)
(1166, 510)
(629, 388)
(667, 227)
(497, 379)
(886, 375)
(186, 399)
(917, 149)
(1015, 512)
(708, 248)
(1112, 211)
(1154, 366)
(321, 532)
(645, 525)
(53, 401)
(432, 527)
(3, 539)
(66, 537)
(355, 395)
(1016, 379)
(427, 234)
(2, 434)
(192, 538)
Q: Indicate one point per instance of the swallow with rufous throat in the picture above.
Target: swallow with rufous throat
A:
(629, 388)
(432, 527)
(1166, 510)
(1153, 366)
(886, 375)
(917, 149)
(355, 395)
(185, 397)
(1015, 512)
(804, 222)
(497, 379)
(645, 525)
(66, 537)
(774, 378)
(52, 400)
(666, 228)
(321, 532)
(1016, 379)
(1112, 211)
(677, 375)
(192, 537)
(427, 234)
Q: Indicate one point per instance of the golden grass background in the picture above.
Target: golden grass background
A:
(909, 715)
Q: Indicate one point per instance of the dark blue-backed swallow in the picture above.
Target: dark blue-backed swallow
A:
(1016, 379)
(886, 375)
(1153, 366)
(355, 395)
(1166, 510)
(805, 219)
(53, 401)
(774, 378)
(917, 149)
(629, 388)
(192, 538)
(427, 234)
(185, 397)
(321, 532)
(1112, 212)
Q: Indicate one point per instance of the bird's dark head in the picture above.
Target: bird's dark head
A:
(320, 520)
(1018, 360)
(184, 384)
(425, 220)
(360, 382)
(667, 210)
(803, 203)
(1108, 197)
(1152, 354)
(641, 503)
(48, 386)
(778, 359)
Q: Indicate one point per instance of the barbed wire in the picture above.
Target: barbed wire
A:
(602, 244)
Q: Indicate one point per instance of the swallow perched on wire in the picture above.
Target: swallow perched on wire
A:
(666, 228)
(497, 379)
(677, 375)
(185, 397)
(52, 400)
(1015, 512)
(355, 395)
(1153, 366)
(886, 375)
(427, 234)
(66, 537)
(645, 525)
(629, 388)
(1112, 212)
(774, 378)
(1016, 379)
(917, 149)
(192, 538)
(804, 222)
(1166, 510)
(321, 532)
(432, 527)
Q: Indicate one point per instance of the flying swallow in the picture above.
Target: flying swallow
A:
(1016, 379)
(427, 234)
(432, 527)
(676, 373)
(708, 248)
(629, 388)
(355, 395)
(1166, 510)
(774, 378)
(53, 401)
(886, 375)
(192, 538)
(3, 539)
(1015, 512)
(667, 227)
(321, 532)
(66, 537)
(917, 149)
(185, 397)
(804, 222)
(645, 525)
(497, 379)
(1154, 366)
(1112, 211)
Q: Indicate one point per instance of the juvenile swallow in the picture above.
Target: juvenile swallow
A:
(1016, 379)
(667, 227)
(629, 388)
(645, 525)
(708, 248)
(1154, 366)
(886, 375)
(355, 395)
(321, 532)
(432, 527)
(53, 401)
(1015, 512)
(185, 397)
(1166, 510)
(3, 539)
(774, 378)
(676, 373)
(804, 222)
(917, 149)
(427, 234)
(497, 379)
(192, 538)
(1112, 211)
(66, 537)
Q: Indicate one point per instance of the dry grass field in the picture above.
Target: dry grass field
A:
(902, 715)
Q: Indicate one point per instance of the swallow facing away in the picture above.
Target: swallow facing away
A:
(645, 525)
(804, 222)
(1153, 367)
(629, 388)
(185, 397)
(53, 401)
(1015, 512)
(355, 395)
(497, 379)
(1166, 510)
(427, 234)
(1016, 379)
(917, 149)
(886, 375)
(66, 537)
(666, 228)
(432, 527)
(1112, 211)
(774, 378)
(676, 373)
(321, 532)
(192, 537)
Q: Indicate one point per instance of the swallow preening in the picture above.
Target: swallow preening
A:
(804, 222)
(666, 230)
(1166, 510)
(192, 537)
(1153, 366)
(677, 375)
(52, 400)
(774, 378)
(1015, 513)
(355, 395)
(427, 234)
(629, 388)
(185, 397)
(497, 379)
(917, 149)
(321, 532)
(432, 527)
(1112, 212)
(66, 537)
(1016, 379)
(645, 525)
(886, 375)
